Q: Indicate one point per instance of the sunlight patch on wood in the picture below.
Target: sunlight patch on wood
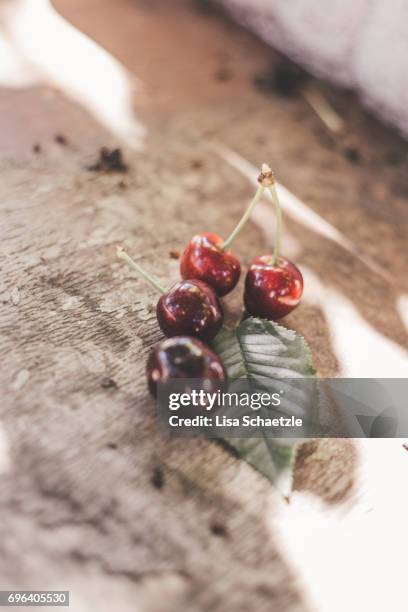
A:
(361, 350)
(40, 46)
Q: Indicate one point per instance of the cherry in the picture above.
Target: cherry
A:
(272, 290)
(189, 307)
(273, 284)
(206, 256)
(182, 357)
(206, 259)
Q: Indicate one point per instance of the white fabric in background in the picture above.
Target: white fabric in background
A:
(359, 43)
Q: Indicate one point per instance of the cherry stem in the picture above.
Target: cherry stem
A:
(132, 264)
(244, 217)
(275, 199)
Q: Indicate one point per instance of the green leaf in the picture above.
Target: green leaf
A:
(270, 357)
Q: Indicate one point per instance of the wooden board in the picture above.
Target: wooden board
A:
(93, 498)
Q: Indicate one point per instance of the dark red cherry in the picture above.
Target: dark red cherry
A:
(205, 259)
(182, 357)
(272, 291)
(206, 256)
(190, 308)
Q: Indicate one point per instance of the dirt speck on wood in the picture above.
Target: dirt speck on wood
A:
(109, 160)
(284, 79)
(61, 139)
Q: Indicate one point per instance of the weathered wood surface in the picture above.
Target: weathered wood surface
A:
(93, 499)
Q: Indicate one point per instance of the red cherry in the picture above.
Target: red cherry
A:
(206, 256)
(272, 290)
(190, 308)
(187, 358)
(205, 259)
